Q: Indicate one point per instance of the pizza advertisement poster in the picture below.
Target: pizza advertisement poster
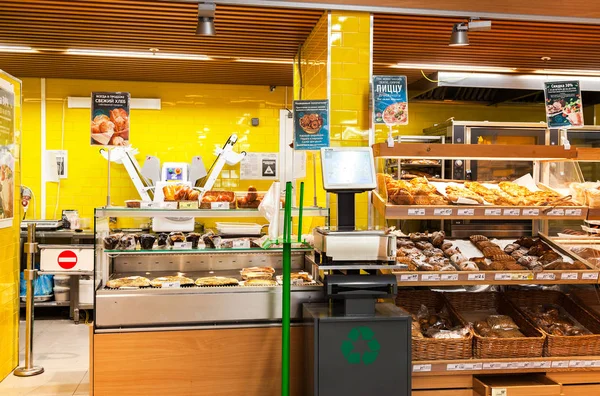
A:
(311, 124)
(564, 106)
(390, 100)
(110, 119)
(7, 159)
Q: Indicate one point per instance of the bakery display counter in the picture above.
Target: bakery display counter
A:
(116, 211)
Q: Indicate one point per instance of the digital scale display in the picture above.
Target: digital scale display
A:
(348, 168)
(174, 174)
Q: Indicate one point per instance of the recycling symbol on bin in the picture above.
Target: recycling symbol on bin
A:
(367, 357)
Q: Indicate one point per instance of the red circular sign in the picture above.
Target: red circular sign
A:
(67, 259)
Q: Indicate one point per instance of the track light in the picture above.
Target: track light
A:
(460, 36)
(206, 19)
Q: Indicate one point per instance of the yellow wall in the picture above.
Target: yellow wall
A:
(194, 118)
(9, 261)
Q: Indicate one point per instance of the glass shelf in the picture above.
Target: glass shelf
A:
(119, 211)
(201, 251)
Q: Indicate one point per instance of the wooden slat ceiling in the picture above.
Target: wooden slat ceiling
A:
(511, 44)
(52, 26)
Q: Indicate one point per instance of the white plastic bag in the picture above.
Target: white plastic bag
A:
(269, 208)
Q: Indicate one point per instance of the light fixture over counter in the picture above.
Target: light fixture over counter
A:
(460, 31)
(137, 54)
(206, 19)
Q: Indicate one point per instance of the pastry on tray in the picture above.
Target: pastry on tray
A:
(216, 281)
(132, 281)
(260, 282)
(454, 193)
(183, 281)
(265, 272)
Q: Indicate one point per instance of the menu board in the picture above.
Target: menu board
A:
(390, 100)
(311, 124)
(564, 107)
(110, 119)
(7, 159)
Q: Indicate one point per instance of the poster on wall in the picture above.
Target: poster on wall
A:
(311, 124)
(7, 159)
(110, 119)
(564, 107)
(390, 100)
(259, 166)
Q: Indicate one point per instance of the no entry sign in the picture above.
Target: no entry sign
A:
(67, 259)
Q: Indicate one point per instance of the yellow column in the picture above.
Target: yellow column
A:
(350, 73)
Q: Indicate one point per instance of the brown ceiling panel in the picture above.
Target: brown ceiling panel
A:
(52, 26)
(510, 44)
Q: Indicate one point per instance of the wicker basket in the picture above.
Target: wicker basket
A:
(561, 345)
(588, 298)
(432, 348)
(532, 345)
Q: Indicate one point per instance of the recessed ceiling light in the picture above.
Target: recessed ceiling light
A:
(545, 58)
(136, 54)
(13, 48)
(426, 66)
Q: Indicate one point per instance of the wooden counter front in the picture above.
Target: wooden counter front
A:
(244, 361)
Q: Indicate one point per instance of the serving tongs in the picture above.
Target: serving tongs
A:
(555, 203)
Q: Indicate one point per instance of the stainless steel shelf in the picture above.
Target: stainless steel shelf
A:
(198, 251)
(200, 213)
(49, 304)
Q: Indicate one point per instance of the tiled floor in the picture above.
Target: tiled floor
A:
(62, 349)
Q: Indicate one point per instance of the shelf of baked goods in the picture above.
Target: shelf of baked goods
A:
(432, 260)
(120, 211)
(506, 366)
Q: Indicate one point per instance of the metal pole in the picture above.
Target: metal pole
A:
(30, 274)
(108, 179)
(287, 264)
(314, 179)
(300, 211)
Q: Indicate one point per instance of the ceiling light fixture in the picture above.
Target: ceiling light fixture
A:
(206, 19)
(460, 35)
(255, 60)
(466, 68)
(13, 48)
(136, 54)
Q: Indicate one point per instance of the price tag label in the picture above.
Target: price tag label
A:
(493, 212)
(409, 278)
(430, 277)
(476, 277)
(590, 276)
(421, 368)
(573, 212)
(466, 212)
(171, 285)
(545, 276)
(241, 244)
(464, 366)
(545, 364)
(449, 277)
(416, 212)
(594, 363)
(523, 365)
(219, 205)
(560, 364)
(150, 205)
(499, 392)
(568, 276)
(522, 276)
(169, 205)
(442, 212)
(502, 277)
(512, 212)
(493, 366)
(556, 212)
(531, 212)
(580, 363)
(182, 245)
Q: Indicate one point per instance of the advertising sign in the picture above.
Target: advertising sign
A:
(564, 107)
(7, 159)
(259, 166)
(311, 124)
(110, 119)
(390, 100)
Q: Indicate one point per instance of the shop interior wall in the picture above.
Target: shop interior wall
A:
(193, 120)
(9, 259)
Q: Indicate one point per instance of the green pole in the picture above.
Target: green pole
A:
(285, 315)
(300, 210)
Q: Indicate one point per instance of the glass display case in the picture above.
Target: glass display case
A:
(146, 280)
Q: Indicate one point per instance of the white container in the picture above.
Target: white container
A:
(62, 293)
(86, 291)
(246, 229)
(62, 280)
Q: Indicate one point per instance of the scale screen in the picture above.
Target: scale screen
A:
(348, 168)
(174, 174)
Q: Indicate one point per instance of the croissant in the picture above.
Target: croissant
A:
(169, 192)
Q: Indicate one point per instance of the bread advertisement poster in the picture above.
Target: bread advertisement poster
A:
(311, 124)
(7, 159)
(390, 100)
(110, 119)
(564, 107)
